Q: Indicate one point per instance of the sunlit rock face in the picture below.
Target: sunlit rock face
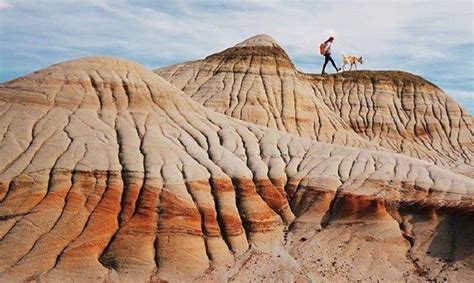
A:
(255, 81)
(110, 173)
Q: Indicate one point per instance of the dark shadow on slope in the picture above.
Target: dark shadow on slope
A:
(453, 239)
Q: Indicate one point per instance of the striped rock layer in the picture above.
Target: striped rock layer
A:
(110, 173)
(255, 81)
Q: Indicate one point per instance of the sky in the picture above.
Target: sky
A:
(433, 39)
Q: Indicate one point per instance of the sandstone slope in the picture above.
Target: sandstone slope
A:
(108, 172)
(256, 81)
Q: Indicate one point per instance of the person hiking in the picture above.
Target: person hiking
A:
(325, 50)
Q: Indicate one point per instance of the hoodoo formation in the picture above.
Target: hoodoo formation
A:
(255, 81)
(254, 171)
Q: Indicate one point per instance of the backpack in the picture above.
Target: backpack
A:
(322, 48)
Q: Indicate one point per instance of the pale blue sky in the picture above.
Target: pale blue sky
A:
(433, 39)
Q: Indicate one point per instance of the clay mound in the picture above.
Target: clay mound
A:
(259, 40)
(108, 172)
(401, 112)
(256, 81)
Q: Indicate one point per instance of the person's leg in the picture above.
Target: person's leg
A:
(333, 63)
(326, 60)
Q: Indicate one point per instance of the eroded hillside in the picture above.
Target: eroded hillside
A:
(255, 81)
(108, 172)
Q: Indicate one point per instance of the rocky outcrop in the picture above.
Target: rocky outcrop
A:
(255, 81)
(108, 172)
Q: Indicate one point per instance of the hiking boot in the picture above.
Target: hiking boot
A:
(323, 73)
(338, 70)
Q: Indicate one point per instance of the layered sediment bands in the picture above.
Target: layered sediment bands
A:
(255, 81)
(362, 236)
(108, 172)
(401, 112)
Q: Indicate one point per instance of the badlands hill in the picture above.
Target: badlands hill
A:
(255, 81)
(110, 173)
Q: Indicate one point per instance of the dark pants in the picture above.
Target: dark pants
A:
(327, 58)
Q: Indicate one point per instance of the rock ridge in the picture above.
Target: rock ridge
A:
(386, 110)
(109, 172)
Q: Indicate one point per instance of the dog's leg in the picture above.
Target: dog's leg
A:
(355, 65)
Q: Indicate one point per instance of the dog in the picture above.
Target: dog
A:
(353, 60)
